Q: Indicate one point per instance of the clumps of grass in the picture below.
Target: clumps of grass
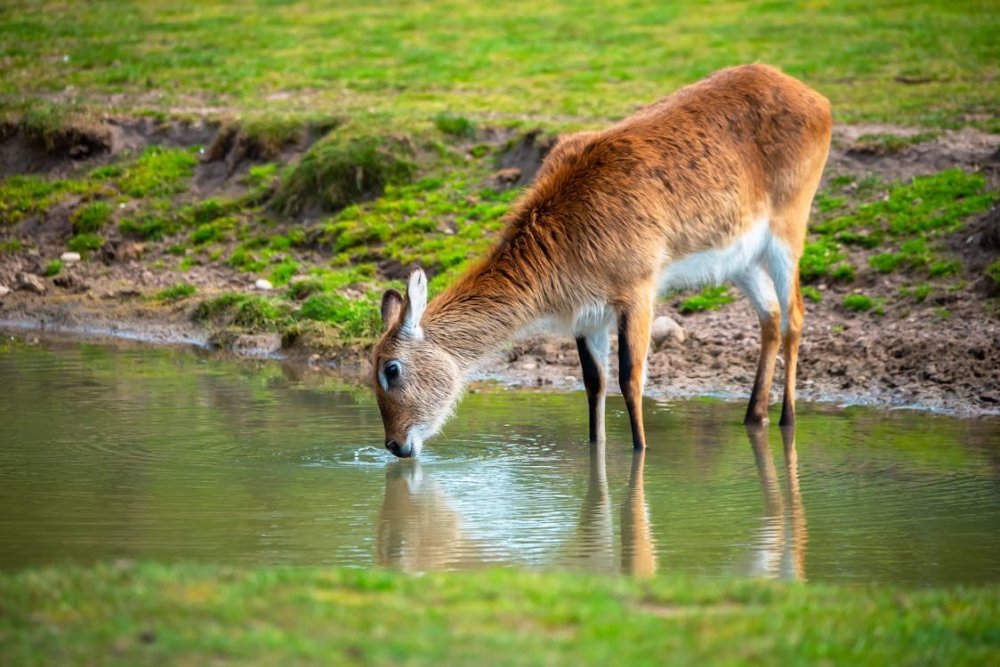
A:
(458, 126)
(811, 293)
(176, 292)
(11, 245)
(158, 172)
(85, 243)
(90, 218)
(993, 273)
(818, 259)
(710, 298)
(861, 303)
(247, 311)
(908, 221)
(343, 169)
(211, 232)
(53, 268)
(151, 227)
(918, 293)
(356, 318)
(283, 271)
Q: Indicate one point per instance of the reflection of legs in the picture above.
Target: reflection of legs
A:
(634, 320)
(767, 554)
(759, 288)
(800, 535)
(638, 552)
(593, 351)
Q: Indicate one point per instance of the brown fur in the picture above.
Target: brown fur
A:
(689, 173)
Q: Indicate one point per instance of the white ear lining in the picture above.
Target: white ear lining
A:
(416, 296)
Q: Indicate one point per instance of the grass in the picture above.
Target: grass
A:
(710, 298)
(882, 143)
(199, 614)
(176, 292)
(53, 268)
(921, 63)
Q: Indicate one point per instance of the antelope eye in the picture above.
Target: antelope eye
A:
(391, 370)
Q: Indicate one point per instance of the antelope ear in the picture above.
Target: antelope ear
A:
(392, 306)
(416, 301)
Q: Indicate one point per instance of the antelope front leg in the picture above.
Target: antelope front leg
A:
(593, 351)
(633, 344)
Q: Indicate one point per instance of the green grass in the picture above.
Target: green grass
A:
(176, 292)
(199, 614)
(993, 273)
(84, 243)
(858, 302)
(931, 63)
(53, 268)
(91, 217)
(884, 143)
(710, 298)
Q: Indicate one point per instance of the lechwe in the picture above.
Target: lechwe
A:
(711, 184)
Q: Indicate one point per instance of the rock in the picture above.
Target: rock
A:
(666, 331)
(4, 291)
(30, 283)
(70, 257)
(70, 282)
(262, 284)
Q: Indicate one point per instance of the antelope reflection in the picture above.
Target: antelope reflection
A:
(419, 530)
(780, 552)
(593, 549)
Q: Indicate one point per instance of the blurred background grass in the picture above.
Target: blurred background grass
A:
(929, 63)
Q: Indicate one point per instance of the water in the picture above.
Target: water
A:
(174, 455)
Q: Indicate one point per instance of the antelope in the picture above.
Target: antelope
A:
(711, 184)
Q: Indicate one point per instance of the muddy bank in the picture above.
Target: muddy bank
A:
(940, 352)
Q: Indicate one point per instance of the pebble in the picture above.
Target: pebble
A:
(666, 330)
(70, 257)
(31, 283)
(262, 284)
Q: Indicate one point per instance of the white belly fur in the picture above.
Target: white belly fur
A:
(712, 267)
(751, 261)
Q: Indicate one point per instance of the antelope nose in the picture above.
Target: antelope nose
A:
(402, 452)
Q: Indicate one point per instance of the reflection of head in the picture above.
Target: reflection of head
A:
(418, 529)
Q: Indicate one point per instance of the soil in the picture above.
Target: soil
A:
(943, 354)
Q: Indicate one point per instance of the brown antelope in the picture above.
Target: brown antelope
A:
(710, 184)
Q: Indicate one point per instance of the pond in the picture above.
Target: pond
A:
(171, 454)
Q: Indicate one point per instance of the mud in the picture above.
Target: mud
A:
(942, 355)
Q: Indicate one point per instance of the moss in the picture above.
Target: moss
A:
(53, 268)
(343, 169)
(283, 272)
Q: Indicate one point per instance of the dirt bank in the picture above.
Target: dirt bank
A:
(940, 351)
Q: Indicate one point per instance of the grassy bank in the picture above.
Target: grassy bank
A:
(187, 614)
(930, 63)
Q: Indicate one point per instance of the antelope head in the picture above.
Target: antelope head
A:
(416, 382)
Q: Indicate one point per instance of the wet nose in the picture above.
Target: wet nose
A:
(402, 451)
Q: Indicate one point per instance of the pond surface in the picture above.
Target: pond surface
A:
(167, 454)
